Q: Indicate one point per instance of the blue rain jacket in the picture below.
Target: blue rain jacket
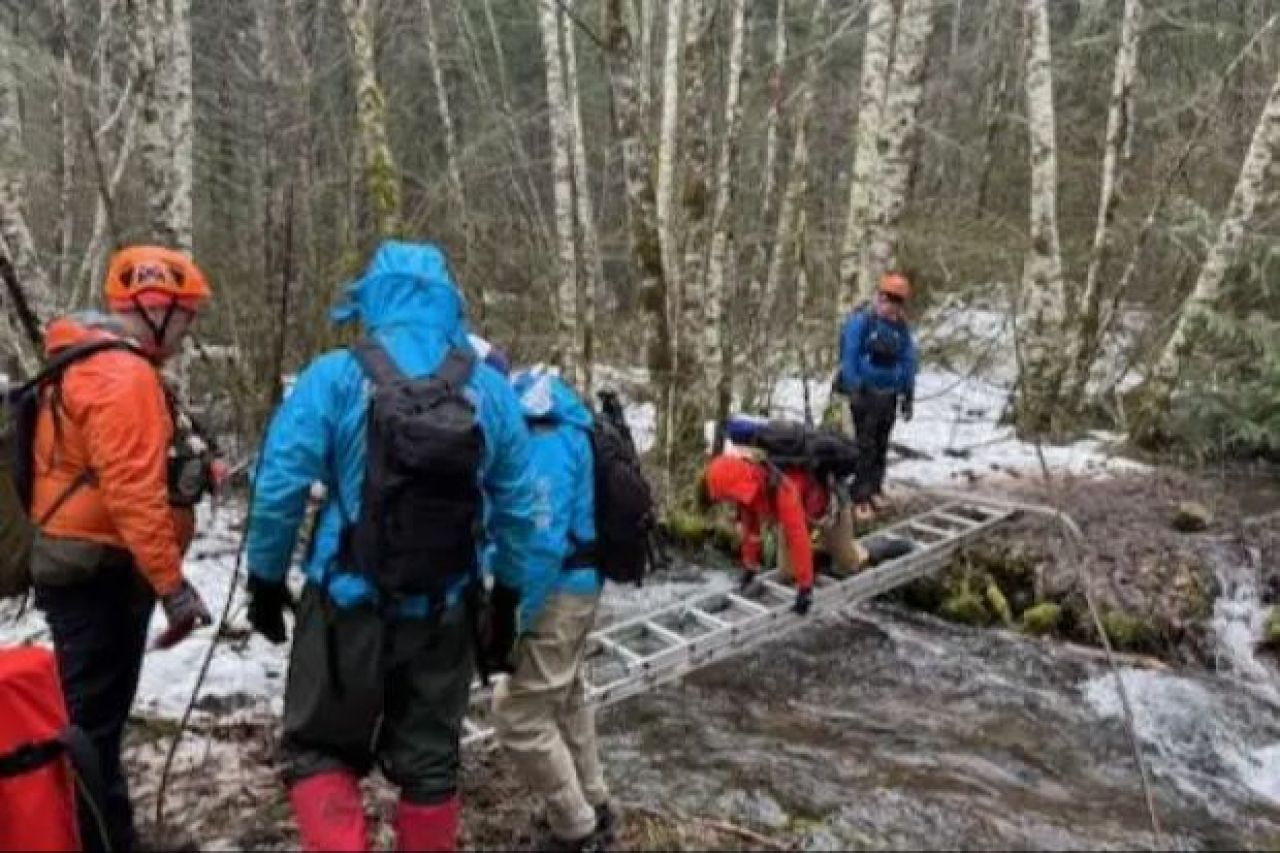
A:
(407, 301)
(564, 481)
(858, 342)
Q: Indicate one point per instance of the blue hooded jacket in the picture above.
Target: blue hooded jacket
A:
(407, 301)
(564, 481)
(858, 368)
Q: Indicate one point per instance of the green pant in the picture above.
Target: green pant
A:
(362, 689)
(543, 721)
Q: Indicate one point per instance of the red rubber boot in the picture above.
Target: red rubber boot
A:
(329, 812)
(433, 827)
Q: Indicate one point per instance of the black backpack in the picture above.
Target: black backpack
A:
(624, 508)
(21, 407)
(788, 444)
(421, 504)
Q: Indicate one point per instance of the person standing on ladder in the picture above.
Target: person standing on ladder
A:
(540, 712)
(878, 373)
(423, 453)
(113, 515)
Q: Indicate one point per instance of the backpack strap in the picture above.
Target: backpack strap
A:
(456, 368)
(376, 362)
(63, 359)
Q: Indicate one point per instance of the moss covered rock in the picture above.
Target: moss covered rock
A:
(1192, 517)
(1128, 632)
(998, 604)
(687, 529)
(1271, 630)
(1041, 619)
(966, 607)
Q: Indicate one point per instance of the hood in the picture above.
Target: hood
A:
(80, 328)
(543, 395)
(406, 284)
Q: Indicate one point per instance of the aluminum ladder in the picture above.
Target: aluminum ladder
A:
(634, 656)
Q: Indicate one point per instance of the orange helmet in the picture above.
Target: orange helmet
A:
(145, 276)
(896, 284)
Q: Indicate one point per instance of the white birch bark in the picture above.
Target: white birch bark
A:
(67, 160)
(15, 232)
(1043, 296)
(668, 137)
(382, 180)
(592, 271)
(877, 53)
(715, 355)
(1249, 191)
(181, 126)
(797, 186)
(1117, 146)
(776, 93)
(695, 190)
(646, 18)
(562, 186)
(453, 169)
(895, 140)
(630, 119)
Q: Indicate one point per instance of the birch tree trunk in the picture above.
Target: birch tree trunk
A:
(695, 192)
(1043, 296)
(715, 355)
(630, 120)
(67, 159)
(877, 53)
(154, 45)
(591, 279)
(1249, 191)
(180, 125)
(776, 91)
(895, 140)
(1084, 345)
(562, 185)
(15, 233)
(457, 195)
(667, 140)
(782, 260)
(382, 179)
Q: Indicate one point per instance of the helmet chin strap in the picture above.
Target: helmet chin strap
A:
(158, 330)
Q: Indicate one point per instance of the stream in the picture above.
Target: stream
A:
(880, 728)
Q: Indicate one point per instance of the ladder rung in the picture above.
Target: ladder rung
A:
(627, 654)
(746, 603)
(707, 619)
(777, 588)
(966, 523)
(670, 636)
(930, 529)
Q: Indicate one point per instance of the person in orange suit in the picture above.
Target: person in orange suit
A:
(112, 518)
(791, 498)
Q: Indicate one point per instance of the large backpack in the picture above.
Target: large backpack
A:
(625, 515)
(18, 413)
(793, 445)
(421, 504)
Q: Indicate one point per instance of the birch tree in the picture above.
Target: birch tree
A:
(776, 88)
(180, 124)
(382, 179)
(877, 53)
(1084, 343)
(16, 240)
(624, 71)
(695, 192)
(715, 355)
(1043, 296)
(562, 185)
(1204, 296)
(592, 267)
(668, 137)
(894, 140)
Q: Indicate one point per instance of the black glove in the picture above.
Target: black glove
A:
(804, 600)
(908, 407)
(500, 631)
(267, 603)
(186, 611)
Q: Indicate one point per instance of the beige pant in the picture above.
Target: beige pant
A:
(542, 719)
(847, 556)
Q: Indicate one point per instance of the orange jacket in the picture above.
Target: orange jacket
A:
(114, 420)
(796, 496)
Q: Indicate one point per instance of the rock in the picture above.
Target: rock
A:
(686, 529)
(1271, 630)
(1127, 632)
(1192, 517)
(966, 607)
(998, 603)
(1041, 619)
